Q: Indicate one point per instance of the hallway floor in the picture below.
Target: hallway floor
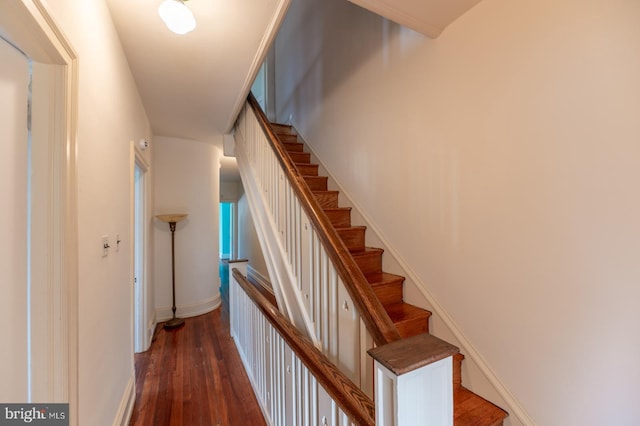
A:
(193, 376)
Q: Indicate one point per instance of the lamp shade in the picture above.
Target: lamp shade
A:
(176, 217)
(177, 17)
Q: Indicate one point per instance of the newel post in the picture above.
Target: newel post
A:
(414, 382)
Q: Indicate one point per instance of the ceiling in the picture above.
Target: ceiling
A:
(193, 85)
(429, 17)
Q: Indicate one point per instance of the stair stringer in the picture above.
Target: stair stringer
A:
(476, 369)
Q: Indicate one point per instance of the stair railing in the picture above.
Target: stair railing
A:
(322, 291)
(317, 283)
(293, 380)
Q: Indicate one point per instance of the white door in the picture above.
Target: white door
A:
(14, 215)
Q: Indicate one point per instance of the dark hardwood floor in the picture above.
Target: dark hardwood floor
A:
(194, 376)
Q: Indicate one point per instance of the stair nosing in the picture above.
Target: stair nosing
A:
(371, 250)
(345, 228)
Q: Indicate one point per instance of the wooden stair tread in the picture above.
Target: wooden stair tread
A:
(326, 192)
(300, 157)
(280, 128)
(353, 237)
(470, 409)
(350, 229)
(307, 169)
(368, 260)
(287, 137)
(408, 319)
(383, 278)
(342, 209)
(369, 250)
(388, 287)
(405, 311)
(293, 146)
(316, 183)
(339, 216)
(326, 199)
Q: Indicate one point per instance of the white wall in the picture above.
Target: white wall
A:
(248, 243)
(110, 115)
(186, 175)
(229, 191)
(501, 161)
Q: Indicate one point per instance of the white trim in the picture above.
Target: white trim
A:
(29, 26)
(191, 310)
(151, 330)
(125, 410)
(141, 339)
(515, 408)
(258, 59)
(422, 397)
(140, 157)
(132, 251)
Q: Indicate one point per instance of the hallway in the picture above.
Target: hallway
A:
(194, 376)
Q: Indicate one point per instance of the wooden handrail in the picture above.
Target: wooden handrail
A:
(355, 403)
(373, 314)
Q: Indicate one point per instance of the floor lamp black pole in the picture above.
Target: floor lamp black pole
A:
(172, 220)
(173, 322)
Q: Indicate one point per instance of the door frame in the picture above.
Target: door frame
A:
(141, 295)
(28, 25)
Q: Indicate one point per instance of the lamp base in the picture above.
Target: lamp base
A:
(174, 323)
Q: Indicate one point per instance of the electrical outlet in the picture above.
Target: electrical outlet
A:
(105, 246)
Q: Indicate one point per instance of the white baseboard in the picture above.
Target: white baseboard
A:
(192, 310)
(123, 416)
(152, 330)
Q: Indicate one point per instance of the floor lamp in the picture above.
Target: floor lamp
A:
(172, 219)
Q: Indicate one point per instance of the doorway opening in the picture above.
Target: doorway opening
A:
(227, 234)
(228, 247)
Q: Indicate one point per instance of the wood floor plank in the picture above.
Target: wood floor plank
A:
(194, 376)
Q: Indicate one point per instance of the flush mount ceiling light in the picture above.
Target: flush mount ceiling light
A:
(177, 16)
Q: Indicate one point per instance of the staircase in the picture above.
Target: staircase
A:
(469, 408)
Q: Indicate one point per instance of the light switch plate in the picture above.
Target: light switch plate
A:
(105, 245)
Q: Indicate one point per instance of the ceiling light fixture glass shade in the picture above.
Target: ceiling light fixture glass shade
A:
(177, 16)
